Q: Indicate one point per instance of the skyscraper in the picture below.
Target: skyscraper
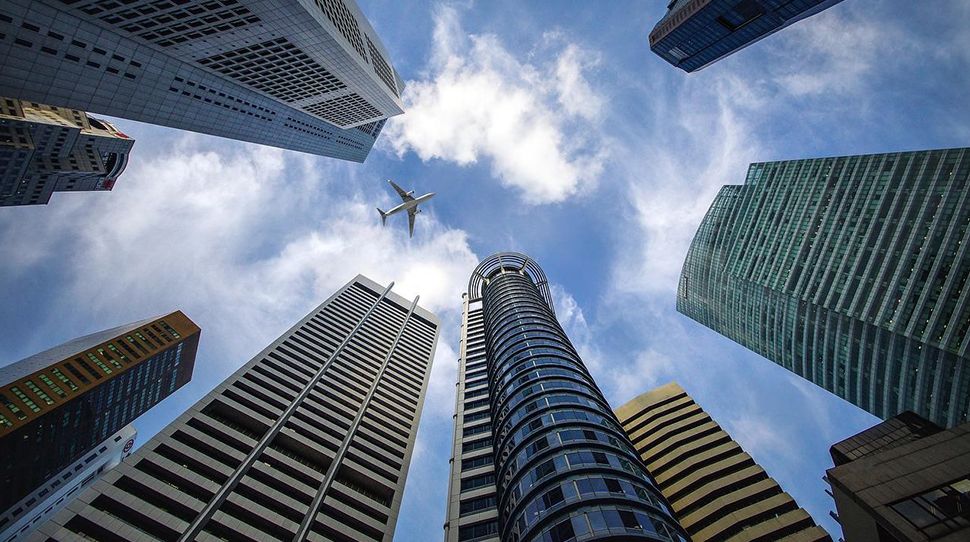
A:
(301, 75)
(903, 480)
(696, 33)
(31, 511)
(538, 454)
(716, 490)
(309, 440)
(851, 272)
(46, 149)
(57, 406)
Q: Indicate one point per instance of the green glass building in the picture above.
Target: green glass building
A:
(851, 272)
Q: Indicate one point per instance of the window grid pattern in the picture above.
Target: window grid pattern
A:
(346, 23)
(170, 22)
(118, 73)
(276, 67)
(381, 67)
(311, 439)
(343, 110)
(852, 272)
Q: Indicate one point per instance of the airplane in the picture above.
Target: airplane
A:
(409, 203)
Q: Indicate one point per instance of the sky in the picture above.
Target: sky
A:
(547, 128)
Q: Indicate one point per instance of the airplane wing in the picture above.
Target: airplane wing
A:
(411, 214)
(401, 192)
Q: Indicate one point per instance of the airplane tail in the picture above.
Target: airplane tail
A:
(383, 217)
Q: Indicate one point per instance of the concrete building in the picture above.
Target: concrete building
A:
(46, 149)
(309, 440)
(304, 75)
(696, 33)
(538, 454)
(903, 480)
(23, 517)
(716, 490)
(59, 405)
(852, 272)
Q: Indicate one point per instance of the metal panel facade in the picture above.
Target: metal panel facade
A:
(310, 440)
(295, 74)
(852, 272)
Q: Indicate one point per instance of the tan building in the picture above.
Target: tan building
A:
(716, 490)
(46, 149)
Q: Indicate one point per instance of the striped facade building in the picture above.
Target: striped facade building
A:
(304, 75)
(852, 272)
(538, 454)
(716, 490)
(310, 440)
(58, 406)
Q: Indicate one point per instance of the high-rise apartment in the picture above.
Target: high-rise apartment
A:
(46, 149)
(59, 405)
(309, 440)
(696, 33)
(717, 491)
(538, 454)
(31, 511)
(851, 272)
(304, 75)
(903, 480)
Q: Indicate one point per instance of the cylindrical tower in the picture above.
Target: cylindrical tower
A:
(564, 468)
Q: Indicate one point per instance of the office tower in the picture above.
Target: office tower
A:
(538, 454)
(903, 480)
(31, 511)
(851, 272)
(60, 404)
(716, 490)
(309, 440)
(300, 75)
(46, 149)
(696, 33)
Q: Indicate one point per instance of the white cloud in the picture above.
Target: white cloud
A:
(833, 52)
(535, 123)
(702, 142)
(245, 241)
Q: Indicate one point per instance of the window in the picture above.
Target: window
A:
(23, 397)
(476, 482)
(938, 512)
(478, 530)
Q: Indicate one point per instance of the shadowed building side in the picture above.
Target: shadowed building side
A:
(696, 33)
(903, 480)
(57, 406)
(716, 490)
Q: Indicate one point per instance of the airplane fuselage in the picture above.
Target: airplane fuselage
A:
(410, 204)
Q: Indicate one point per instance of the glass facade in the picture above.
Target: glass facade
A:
(560, 466)
(851, 272)
(696, 33)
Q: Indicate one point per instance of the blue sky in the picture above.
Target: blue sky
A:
(547, 128)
